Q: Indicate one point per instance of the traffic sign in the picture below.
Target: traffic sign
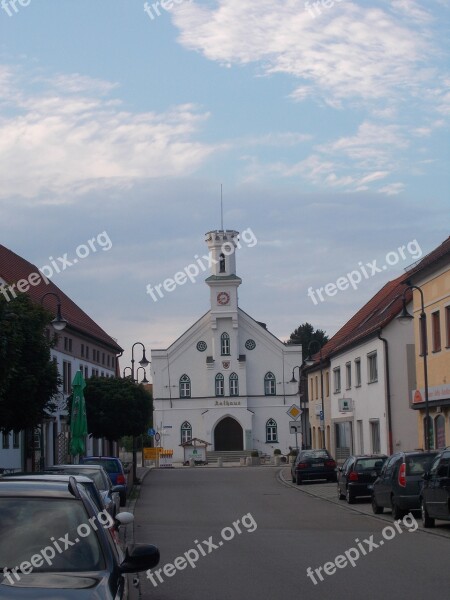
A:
(157, 437)
(294, 412)
(295, 427)
(151, 432)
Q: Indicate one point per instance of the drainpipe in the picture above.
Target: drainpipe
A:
(388, 391)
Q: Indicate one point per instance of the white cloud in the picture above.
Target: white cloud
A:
(68, 136)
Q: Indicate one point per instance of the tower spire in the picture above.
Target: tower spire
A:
(221, 208)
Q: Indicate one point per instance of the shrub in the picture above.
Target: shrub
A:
(255, 454)
(277, 451)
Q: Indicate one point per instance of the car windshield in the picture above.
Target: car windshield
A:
(369, 464)
(419, 463)
(94, 474)
(110, 466)
(50, 529)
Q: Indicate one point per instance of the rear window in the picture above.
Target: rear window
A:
(111, 466)
(314, 454)
(95, 474)
(418, 464)
(369, 464)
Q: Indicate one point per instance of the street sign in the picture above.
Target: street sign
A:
(151, 432)
(295, 427)
(157, 437)
(152, 453)
(294, 412)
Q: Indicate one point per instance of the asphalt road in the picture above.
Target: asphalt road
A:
(242, 533)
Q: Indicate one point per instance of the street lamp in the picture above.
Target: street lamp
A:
(144, 363)
(406, 317)
(293, 380)
(144, 380)
(309, 362)
(58, 323)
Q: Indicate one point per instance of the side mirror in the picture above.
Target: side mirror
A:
(339, 469)
(426, 476)
(140, 557)
(117, 488)
(125, 518)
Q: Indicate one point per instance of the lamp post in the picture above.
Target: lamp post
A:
(309, 362)
(144, 363)
(58, 324)
(293, 380)
(406, 317)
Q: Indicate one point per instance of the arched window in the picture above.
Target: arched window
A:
(225, 344)
(219, 385)
(439, 431)
(185, 386)
(222, 263)
(234, 385)
(269, 384)
(186, 432)
(271, 431)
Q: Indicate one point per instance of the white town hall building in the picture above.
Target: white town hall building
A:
(226, 380)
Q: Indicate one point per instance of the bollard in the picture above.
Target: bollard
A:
(191, 462)
(249, 461)
(220, 462)
(242, 461)
(277, 460)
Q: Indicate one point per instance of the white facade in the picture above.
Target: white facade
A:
(359, 408)
(226, 379)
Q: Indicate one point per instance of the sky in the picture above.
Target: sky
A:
(326, 123)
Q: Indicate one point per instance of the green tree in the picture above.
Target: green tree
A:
(28, 377)
(304, 335)
(116, 408)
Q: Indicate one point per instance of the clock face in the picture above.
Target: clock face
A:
(223, 298)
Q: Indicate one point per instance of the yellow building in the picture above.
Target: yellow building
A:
(432, 276)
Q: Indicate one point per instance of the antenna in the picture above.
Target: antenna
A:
(221, 207)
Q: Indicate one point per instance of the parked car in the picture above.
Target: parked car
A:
(114, 467)
(109, 492)
(357, 474)
(435, 494)
(398, 486)
(54, 551)
(313, 464)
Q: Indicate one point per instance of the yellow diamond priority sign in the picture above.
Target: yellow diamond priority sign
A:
(294, 412)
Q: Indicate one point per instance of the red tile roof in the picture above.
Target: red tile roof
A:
(373, 316)
(14, 267)
(428, 260)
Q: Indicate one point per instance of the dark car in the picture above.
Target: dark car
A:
(399, 483)
(60, 546)
(357, 474)
(109, 492)
(114, 467)
(313, 464)
(435, 495)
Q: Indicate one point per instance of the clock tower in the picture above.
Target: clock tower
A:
(223, 281)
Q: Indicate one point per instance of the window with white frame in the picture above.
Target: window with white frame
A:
(225, 344)
(337, 379)
(220, 388)
(269, 384)
(375, 435)
(234, 385)
(271, 431)
(186, 432)
(185, 386)
(372, 367)
(357, 372)
(348, 376)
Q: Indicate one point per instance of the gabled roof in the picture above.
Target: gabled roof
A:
(429, 260)
(13, 268)
(373, 316)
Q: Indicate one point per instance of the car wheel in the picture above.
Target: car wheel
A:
(377, 510)
(349, 496)
(341, 496)
(293, 479)
(333, 478)
(123, 499)
(397, 512)
(426, 519)
(299, 480)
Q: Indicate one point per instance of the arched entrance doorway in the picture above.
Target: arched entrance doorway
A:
(228, 435)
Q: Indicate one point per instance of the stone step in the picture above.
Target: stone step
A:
(227, 455)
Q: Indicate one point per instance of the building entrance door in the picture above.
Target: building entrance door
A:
(228, 435)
